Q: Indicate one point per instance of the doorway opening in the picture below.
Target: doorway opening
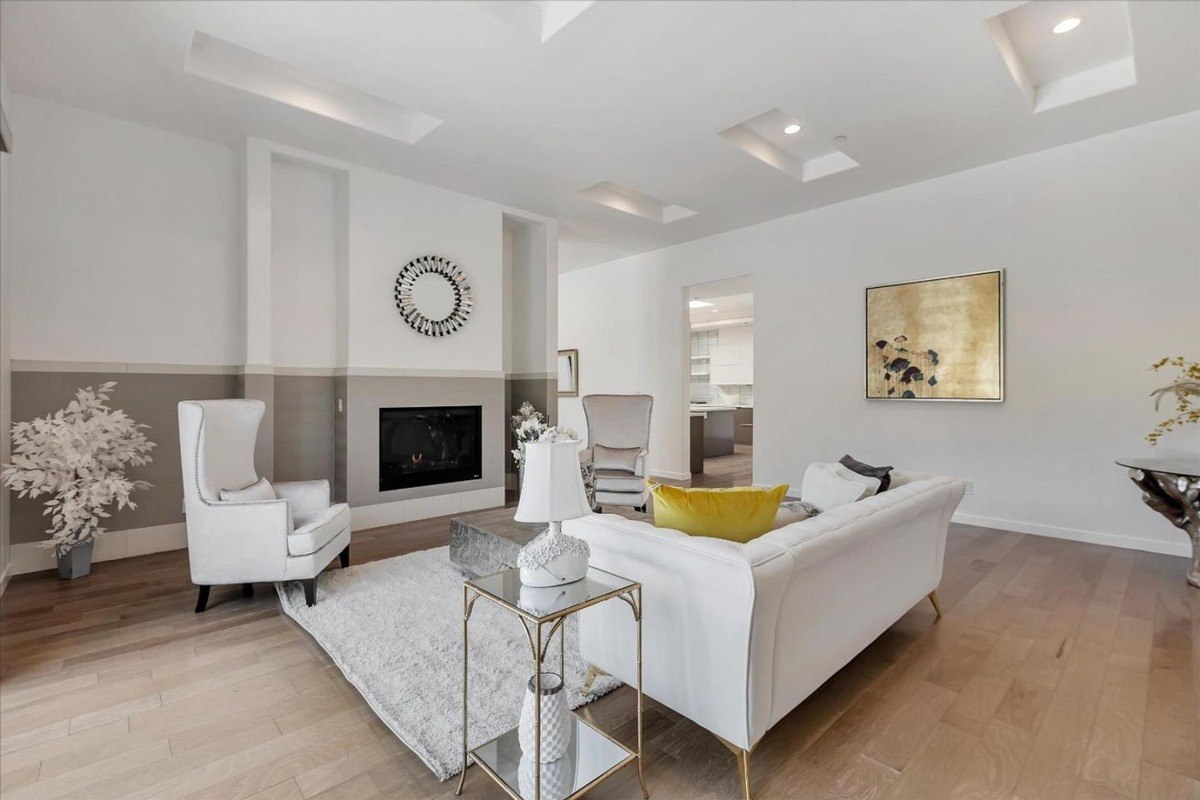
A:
(721, 382)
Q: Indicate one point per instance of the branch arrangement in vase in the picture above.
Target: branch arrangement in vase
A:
(529, 425)
(78, 456)
(1185, 386)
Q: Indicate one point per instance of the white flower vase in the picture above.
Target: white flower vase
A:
(557, 729)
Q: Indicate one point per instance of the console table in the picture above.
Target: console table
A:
(1171, 486)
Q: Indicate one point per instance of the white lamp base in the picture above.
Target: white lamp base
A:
(553, 559)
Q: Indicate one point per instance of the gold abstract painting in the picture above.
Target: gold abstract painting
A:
(937, 339)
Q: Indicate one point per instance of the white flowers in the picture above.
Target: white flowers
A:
(529, 425)
(78, 455)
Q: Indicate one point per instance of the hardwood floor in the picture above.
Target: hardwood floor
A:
(1060, 670)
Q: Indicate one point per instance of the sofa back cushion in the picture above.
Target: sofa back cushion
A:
(736, 515)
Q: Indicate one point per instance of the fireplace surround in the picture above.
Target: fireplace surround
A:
(429, 445)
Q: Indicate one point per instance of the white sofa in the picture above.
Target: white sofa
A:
(737, 635)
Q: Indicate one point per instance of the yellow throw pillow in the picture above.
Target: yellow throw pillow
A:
(736, 515)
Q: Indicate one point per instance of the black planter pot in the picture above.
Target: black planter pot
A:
(76, 563)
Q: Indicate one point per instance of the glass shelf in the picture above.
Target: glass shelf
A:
(590, 756)
(551, 602)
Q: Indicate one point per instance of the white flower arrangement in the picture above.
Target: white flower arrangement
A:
(78, 455)
(529, 425)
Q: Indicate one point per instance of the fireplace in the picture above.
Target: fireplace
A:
(429, 445)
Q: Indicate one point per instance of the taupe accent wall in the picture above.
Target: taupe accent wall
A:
(365, 395)
(262, 387)
(150, 398)
(542, 392)
(304, 428)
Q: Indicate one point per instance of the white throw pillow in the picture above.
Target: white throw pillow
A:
(622, 458)
(259, 490)
(827, 486)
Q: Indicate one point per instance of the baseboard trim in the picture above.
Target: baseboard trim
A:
(1076, 535)
(381, 514)
(675, 476)
(32, 557)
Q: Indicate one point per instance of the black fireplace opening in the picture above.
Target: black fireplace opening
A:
(429, 445)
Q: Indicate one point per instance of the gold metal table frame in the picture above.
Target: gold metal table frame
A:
(539, 647)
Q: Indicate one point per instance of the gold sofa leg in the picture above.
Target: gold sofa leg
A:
(933, 599)
(743, 762)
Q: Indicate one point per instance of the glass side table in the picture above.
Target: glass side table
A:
(593, 755)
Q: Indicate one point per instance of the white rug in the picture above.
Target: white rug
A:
(394, 628)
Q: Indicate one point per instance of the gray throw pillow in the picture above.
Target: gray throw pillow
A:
(620, 458)
(883, 473)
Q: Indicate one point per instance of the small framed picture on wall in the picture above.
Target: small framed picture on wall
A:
(568, 373)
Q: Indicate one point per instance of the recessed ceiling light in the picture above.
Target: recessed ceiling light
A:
(698, 304)
(1067, 25)
(790, 129)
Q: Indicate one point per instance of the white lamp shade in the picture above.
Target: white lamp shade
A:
(553, 485)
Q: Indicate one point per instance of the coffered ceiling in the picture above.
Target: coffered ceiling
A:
(633, 95)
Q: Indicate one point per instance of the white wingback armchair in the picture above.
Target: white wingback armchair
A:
(290, 537)
(618, 438)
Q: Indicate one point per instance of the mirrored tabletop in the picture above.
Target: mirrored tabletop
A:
(542, 603)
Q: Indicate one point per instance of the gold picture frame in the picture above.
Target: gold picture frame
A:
(939, 339)
(568, 373)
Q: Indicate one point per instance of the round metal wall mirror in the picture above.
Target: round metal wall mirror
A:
(433, 295)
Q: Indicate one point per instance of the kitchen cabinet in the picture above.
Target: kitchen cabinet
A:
(743, 426)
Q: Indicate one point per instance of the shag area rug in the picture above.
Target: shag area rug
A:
(394, 628)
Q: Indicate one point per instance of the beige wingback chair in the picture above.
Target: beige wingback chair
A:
(291, 535)
(618, 442)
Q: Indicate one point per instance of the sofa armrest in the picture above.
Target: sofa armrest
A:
(306, 498)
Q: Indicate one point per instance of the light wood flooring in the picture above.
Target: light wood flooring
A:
(1060, 670)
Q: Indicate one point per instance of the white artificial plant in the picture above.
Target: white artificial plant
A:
(529, 425)
(78, 455)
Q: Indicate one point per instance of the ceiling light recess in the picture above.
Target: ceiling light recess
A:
(1067, 25)
(631, 201)
(805, 158)
(234, 65)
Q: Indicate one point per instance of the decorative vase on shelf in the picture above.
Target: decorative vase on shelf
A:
(558, 778)
(557, 729)
(76, 562)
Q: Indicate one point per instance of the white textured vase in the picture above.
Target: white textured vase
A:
(558, 778)
(557, 729)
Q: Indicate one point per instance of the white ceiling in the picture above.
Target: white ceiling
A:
(629, 92)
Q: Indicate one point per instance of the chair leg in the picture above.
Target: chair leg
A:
(344, 556)
(641, 508)
(936, 606)
(310, 591)
(202, 599)
(247, 590)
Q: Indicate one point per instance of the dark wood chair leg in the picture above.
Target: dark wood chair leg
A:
(344, 556)
(202, 600)
(641, 509)
(247, 590)
(310, 592)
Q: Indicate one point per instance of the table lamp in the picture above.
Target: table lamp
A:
(551, 492)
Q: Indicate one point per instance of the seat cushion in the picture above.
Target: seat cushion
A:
(617, 480)
(736, 515)
(314, 531)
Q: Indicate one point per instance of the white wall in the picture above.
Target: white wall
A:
(393, 220)
(1101, 243)
(304, 265)
(127, 240)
